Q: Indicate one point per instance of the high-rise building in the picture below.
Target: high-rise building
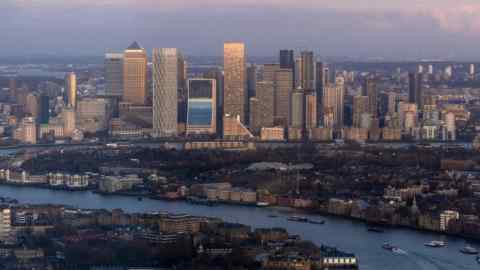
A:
(287, 61)
(430, 69)
(6, 225)
(69, 121)
(307, 67)
(202, 106)
(360, 107)
(32, 106)
(262, 107)
(251, 80)
(415, 93)
(217, 75)
(370, 90)
(12, 88)
(310, 110)
(333, 102)
(70, 94)
(234, 102)
(282, 80)
(166, 83)
(298, 72)
(27, 131)
(471, 71)
(44, 109)
(320, 83)
(114, 74)
(298, 109)
(135, 74)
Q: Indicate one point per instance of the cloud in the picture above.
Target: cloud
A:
(462, 19)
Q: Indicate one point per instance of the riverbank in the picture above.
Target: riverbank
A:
(338, 232)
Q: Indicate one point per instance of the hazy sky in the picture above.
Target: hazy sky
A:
(364, 28)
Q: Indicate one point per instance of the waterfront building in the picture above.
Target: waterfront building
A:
(166, 82)
(114, 74)
(135, 74)
(201, 106)
(5, 225)
(446, 217)
(272, 134)
(235, 96)
(320, 134)
(70, 91)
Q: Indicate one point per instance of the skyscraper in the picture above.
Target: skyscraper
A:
(298, 109)
(202, 106)
(370, 90)
(307, 73)
(333, 102)
(360, 107)
(234, 57)
(135, 74)
(282, 80)
(310, 110)
(287, 61)
(44, 109)
(165, 86)
(262, 113)
(114, 74)
(70, 95)
(415, 93)
(320, 83)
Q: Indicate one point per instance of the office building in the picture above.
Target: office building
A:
(262, 107)
(310, 110)
(166, 70)
(70, 91)
(32, 106)
(26, 131)
(447, 216)
(6, 225)
(333, 103)
(287, 61)
(307, 70)
(135, 74)
(298, 109)
(44, 114)
(235, 96)
(320, 83)
(360, 107)
(93, 114)
(282, 79)
(69, 121)
(202, 106)
(114, 74)
(370, 90)
(415, 93)
(251, 80)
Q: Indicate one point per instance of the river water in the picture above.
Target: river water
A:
(349, 236)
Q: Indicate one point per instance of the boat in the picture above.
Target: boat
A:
(469, 250)
(317, 222)
(262, 204)
(297, 219)
(375, 229)
(435, 244)
(393, 249)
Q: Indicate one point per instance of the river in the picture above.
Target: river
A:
(347, 235)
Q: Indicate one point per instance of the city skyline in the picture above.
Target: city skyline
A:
(383, 28)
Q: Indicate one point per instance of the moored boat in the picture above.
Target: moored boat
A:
(435, 244)
(469, 250)
(297, 219)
